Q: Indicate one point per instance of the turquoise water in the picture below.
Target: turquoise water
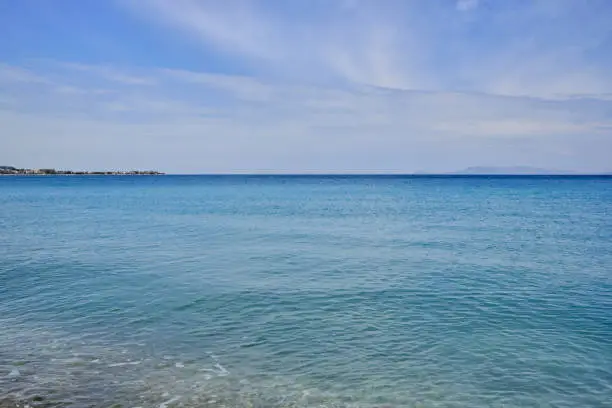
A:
(189, 291)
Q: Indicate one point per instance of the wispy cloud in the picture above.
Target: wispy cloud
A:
(109, 74)
(406, 45)
(466, 5)
(253, 123)
(232, 26)
(354, 43)
(13, 74)
(241, 87)
(333, 86)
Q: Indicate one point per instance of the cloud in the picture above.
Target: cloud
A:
(466, 5)
(360, 85)
(13, 74)
(72, 90)
(242, 87)
(538, 48)
(231, 27)
(108, 73)
(206, 122)
(350, 45)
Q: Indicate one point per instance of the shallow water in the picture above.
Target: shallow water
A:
(306, 291)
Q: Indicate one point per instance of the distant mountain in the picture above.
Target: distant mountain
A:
(510, 170)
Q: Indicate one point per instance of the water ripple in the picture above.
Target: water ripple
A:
(330, 292)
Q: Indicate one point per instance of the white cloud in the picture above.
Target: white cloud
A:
(230, 26)
(12, 74)
(527, 49)
(255, 124)
(242, 87)
(466, 5)
(109, 74)
(353, 85)
(359, 46)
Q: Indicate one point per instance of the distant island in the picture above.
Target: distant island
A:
(513, 170)
(10, 170)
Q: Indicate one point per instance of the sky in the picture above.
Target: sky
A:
(306, 86)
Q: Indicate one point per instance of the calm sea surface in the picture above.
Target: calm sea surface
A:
(196, 291)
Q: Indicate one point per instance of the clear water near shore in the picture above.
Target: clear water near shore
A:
(306, 291)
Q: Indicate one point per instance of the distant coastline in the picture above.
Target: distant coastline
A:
(468, 172)
(14, 171)
(512, 170)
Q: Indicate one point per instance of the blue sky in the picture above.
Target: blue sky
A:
(202, 86)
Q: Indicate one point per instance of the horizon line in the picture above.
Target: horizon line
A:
(389, 174)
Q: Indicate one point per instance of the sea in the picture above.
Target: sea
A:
(306, 291)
